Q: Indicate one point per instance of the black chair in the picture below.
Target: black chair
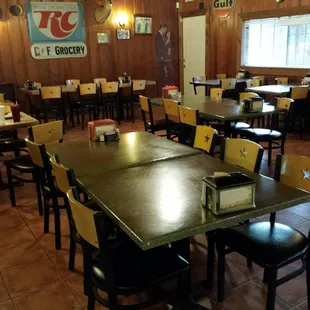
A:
(274, 138)
(122, 268)
(269, 244)
(109, 100)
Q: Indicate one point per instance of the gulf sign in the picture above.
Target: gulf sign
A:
(223, 8)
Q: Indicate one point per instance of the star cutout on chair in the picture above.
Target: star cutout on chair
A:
(51, 131)
(207, 139)
(184, 115)
(243, 153)
(306, 174)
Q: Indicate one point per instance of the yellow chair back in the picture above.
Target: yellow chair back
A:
(144, 103)
(73, 82)
(2, 97)
(171, 107)
(299, 92)
(100, 80)
(284, 103)
(228, 84)
(138, 85)
(48, 132)
(261, 78)
(50, 92)
(84, 220)
(188, 116)
(61, 175)
(282, 80)
(109, 88)
(204, 138)
(35, 152)
(221, 76)
(247, 95)
(253, 83)
(293, 170)
(241, 152)
(216, 93)
(87, 89)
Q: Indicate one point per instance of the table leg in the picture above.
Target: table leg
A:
(227, 129)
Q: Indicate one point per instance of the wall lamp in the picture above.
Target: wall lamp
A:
(122, 19)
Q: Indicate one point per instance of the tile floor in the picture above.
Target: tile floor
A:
(34, 276)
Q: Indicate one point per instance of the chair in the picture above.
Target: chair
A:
(100, 81)
(43, 134)
(146, 110)
(51, 101)
(228, 84)
(189, 119)
(51, 193)
(216, 93)
(109, 100)
(221, 76)
(65, 179)
(73, 82)
(281, 80)
(274, 138)
(171, 108)
(137, 89)
(206, 139)
(122, 268)
(270, 245)
(253, 83)
(261, 78)
(200, 78)
(247, 95)
(300, 110)
(88, 99)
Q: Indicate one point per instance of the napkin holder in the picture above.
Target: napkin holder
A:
(100, 127)
(252, 105)
(228, 192)
(170, 92)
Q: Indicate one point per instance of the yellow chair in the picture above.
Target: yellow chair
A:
(216, 93)
(247, 95)
(132, 101)
(206, 139)
(253, 83)
(221, 76)
(109, 92)
(243, 153)
(100, 81)
(171, 109)
(37, 85)
(281, 80)
(299, 94)
(261, 78)
(2, 97)
(200, 78)
(73, 82)
(228, 84)
(189, 119)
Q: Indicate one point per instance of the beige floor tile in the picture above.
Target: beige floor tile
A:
(10, 219)
(4, 294)
(7, 305)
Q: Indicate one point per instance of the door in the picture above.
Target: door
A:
(194, 51)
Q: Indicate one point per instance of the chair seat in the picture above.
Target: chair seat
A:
(240, 125)
(264, 243)
(22, 164)
(261, 133)
(160, 124)
(135, 268)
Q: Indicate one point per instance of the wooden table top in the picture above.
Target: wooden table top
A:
(25, 121)
(7, 102)
(282, 89)
(215, 82)
(133, 149)
(160, 203)
(220, 109)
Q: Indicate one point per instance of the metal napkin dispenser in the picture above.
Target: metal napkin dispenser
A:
(228, 192)
(252, 105)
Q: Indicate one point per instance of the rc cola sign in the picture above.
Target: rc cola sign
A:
(223, 8)
(57, 29)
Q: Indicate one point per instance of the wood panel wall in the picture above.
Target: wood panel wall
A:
(135, 56)
(225, 36)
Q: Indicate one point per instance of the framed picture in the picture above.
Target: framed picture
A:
(123, 34)
(142, 24)
(103, 37)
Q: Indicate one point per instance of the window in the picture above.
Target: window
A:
(277, 42)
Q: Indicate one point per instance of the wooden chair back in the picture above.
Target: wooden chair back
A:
(205, 139)
(261, 78)
(199, 78)
(146, 109)
(247, 95)
(73, 82)
(243, 153)
(61, 174)
(281, 80)
(228, 84)
(100, 80)
(253, 83)
(221, 76)
(2, 97)
(293, 170)
(144, 103)
(83, 218)
(87, 89)
(109, 88)
(47, 132)
(171, 108)
(216, 93)
(299, 92)
(36, 151)
(138, 85)
(50, 92)
(284, 103)
(188, 116)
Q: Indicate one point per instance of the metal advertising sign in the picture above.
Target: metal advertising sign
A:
(223, 8)
(57, 29)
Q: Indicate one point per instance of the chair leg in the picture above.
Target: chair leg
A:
(210, 259)
(91, 302)
(83, 116)
(249, 262)
(72, 117)
(57, 228)
(271, 292)
(77, 116)
(269, 153)
(39, 195)
(11, 186)
(46, 216)
(72, 253)
(301, 128)
(221, 272)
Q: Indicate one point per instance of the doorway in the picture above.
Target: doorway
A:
(194, 52)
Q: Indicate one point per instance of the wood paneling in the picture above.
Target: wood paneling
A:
(135, 56)
(225, 35)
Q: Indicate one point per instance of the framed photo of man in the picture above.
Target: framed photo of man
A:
(142, 24)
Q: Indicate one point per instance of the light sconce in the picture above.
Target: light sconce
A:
(279, 1)
(122, 19)
(16, 10)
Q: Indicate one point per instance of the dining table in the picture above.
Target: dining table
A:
(225, 110)
(25, 121)
(274, 90)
